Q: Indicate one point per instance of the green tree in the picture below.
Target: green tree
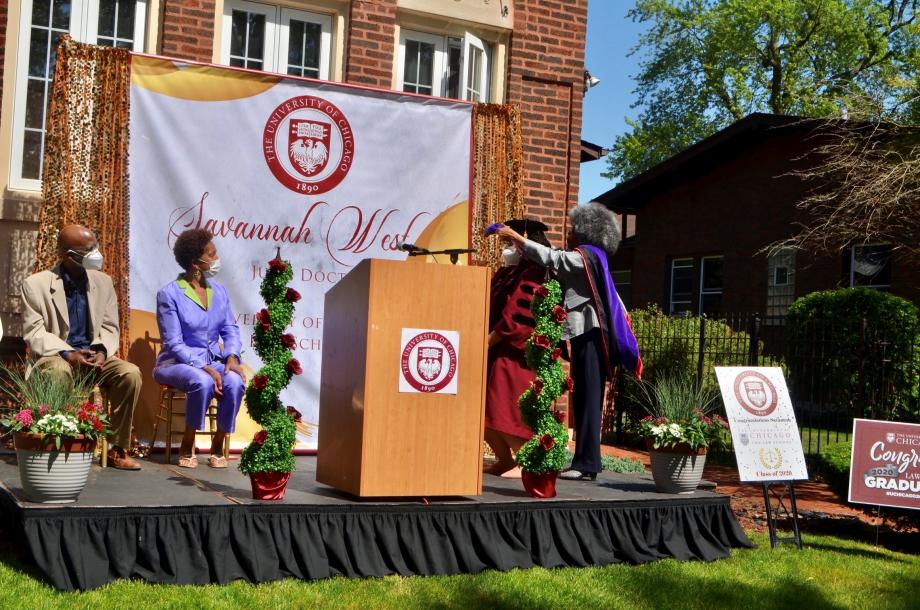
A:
(708, 63)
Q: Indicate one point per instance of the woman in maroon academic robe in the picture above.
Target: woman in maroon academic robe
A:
(510, 325)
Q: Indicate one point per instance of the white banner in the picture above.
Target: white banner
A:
(331, 174)
(764, 432)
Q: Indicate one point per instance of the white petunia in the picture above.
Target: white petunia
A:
(675, 430)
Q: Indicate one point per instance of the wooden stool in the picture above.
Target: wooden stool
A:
(168, 397)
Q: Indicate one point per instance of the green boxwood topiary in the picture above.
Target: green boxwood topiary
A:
(271, 450)
(546, 450)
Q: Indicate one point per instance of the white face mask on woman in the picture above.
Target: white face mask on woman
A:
(213, 268)
(511, 256)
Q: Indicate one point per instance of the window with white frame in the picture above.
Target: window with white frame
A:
(870, 266)
(444, 66)
(780, 285)
(42, 23)
(681, 297)
(711, 282)
(276, 39)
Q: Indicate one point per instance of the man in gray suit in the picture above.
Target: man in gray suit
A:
(596, 322)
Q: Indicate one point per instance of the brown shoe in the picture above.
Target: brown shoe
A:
(119, 459)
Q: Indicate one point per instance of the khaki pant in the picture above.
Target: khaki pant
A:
(122, 382)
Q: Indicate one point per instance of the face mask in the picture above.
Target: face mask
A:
(90, 260)
(213, 267)
(511, 256)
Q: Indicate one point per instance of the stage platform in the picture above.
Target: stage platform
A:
(167, 524)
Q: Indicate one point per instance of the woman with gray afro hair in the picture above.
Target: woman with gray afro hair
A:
(595, 224)
(596, 323)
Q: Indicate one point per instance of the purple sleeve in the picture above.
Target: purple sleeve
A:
(229, 331)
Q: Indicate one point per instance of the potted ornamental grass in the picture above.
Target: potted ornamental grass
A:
(269, 458)
(544, 455)
(54, 431)
(679, 428)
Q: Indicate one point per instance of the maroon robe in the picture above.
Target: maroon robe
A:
(510, 319)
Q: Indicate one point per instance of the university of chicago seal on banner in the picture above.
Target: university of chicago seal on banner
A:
(308, 144)
(428, 361)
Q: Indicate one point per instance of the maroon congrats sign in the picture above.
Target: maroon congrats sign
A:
(885, 467)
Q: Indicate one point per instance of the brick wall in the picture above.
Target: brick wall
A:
(546, 78)
(187, 29)
(733, 205)
(370, 48)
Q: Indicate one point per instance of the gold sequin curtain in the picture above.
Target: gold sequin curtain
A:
(85, 175)
(497, 175)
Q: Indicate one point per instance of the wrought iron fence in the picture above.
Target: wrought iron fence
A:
(876, 376)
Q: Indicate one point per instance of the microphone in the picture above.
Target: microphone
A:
(407, 247)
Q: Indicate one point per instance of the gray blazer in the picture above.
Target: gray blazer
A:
(570, 271)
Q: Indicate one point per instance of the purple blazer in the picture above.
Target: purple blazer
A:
(191, 334)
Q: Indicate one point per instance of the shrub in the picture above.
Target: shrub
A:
(858, 349)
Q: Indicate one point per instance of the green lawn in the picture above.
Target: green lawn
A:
(829, 573)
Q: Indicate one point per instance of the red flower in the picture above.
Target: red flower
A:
(293, 367)
(569, 384)
(541, 292)
(292, 295)
(43, 410)
(557, 353)
(288, 341)
(560, 416)
(647, 418)
(259, 382)
(265, 319)
(277, 265)
(560, 314)
(97, 424)
(295, 414)
(260, 437)
(541, 341)
(84, 415)
(538, 386)
(25, 417)
(547, 442)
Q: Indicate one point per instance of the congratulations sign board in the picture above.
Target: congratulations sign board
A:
(332, 174)
(764, 433)
(885, 464)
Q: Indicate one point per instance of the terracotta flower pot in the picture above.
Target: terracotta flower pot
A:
(540, 485)
(269, 485)
(677, 470)
(50, 474)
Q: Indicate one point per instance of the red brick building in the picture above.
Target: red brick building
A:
(527, 52)
(698, 222)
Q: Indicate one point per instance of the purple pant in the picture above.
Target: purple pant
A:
(199, 390)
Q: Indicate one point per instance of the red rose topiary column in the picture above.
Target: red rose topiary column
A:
(269, 458)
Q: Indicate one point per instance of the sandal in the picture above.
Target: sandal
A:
(188, 461)
(217, 461)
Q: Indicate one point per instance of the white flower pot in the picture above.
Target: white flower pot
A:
(51, 475)
(677, 472)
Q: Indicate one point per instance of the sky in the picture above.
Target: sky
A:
(610, 37)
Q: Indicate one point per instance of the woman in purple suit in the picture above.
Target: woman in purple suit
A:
(201, 345)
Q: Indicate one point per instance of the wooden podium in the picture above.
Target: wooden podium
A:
(374, 440)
